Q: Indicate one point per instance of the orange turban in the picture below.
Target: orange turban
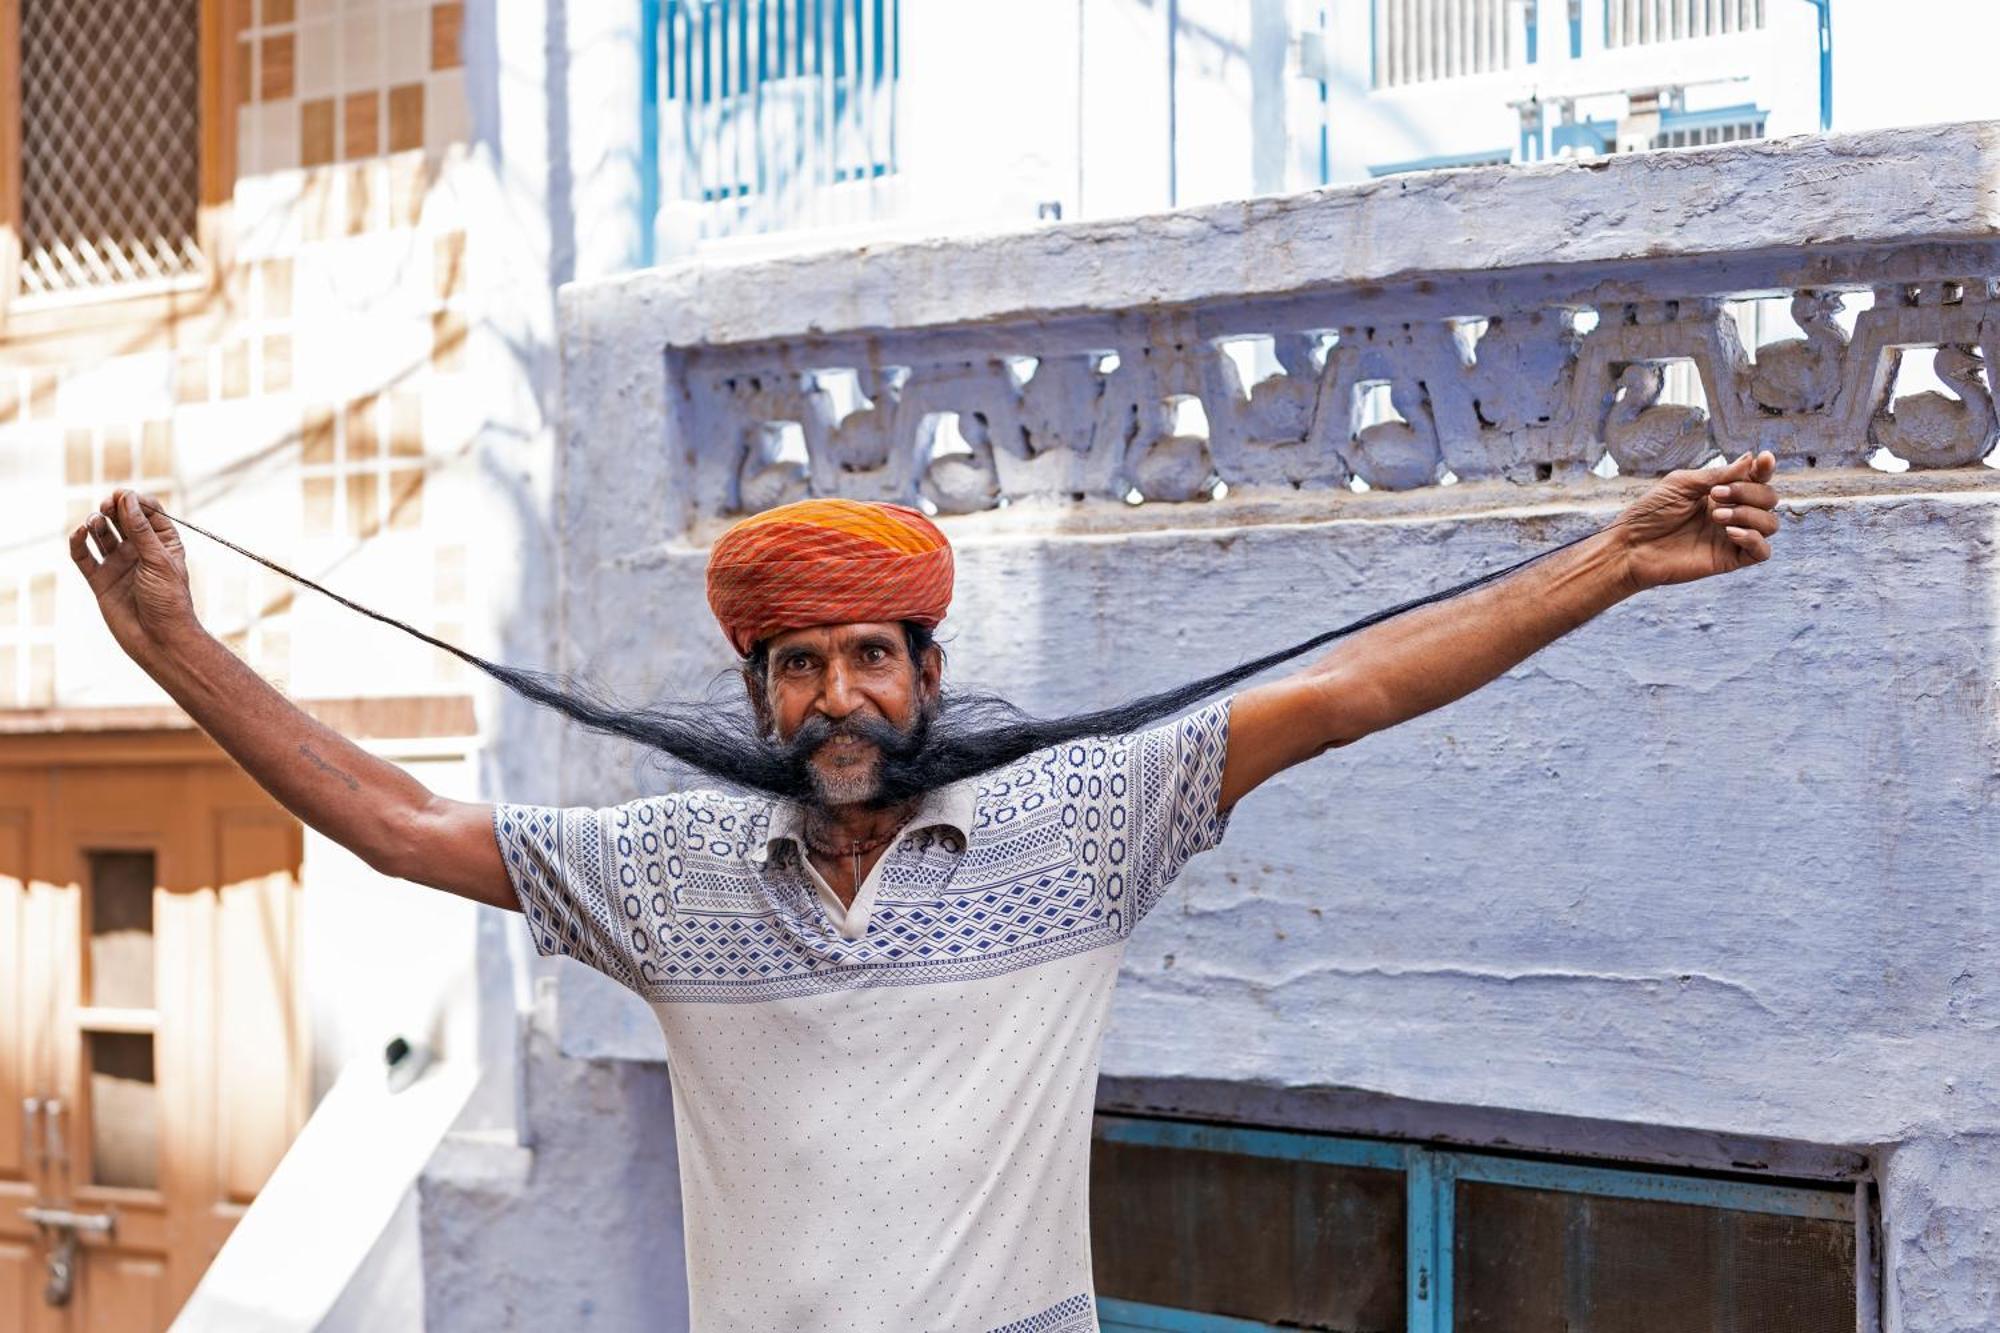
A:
(827, 562)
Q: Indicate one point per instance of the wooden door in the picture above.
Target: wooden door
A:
(163, 1051)
(27, 1060)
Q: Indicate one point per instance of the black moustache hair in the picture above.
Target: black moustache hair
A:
(960, 735)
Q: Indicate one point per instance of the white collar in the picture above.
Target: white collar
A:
(949, 806)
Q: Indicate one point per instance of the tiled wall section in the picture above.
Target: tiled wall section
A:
(329, 425)
(324, 83)
(27, 641)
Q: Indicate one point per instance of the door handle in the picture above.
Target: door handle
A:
(55, 1152)
(32, 1154)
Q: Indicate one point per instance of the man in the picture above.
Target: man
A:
(883, 1001)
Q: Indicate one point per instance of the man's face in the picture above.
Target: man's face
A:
(833, 674)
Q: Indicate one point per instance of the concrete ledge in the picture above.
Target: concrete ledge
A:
(1927, 185)
(1371, 1115)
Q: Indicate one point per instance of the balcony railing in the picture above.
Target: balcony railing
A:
(1639, 22)
(1417, 41)
(1526, 325)
(770, 116)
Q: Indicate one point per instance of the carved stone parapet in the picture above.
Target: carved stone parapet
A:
(1524, 394)
(1514, 325)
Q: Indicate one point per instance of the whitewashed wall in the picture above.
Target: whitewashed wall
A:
(1715, 871)
(1776, 68)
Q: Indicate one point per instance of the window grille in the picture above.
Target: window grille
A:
(1417, 41)
(1692, 131)
(766, 104)
(1198, 1226)
(1641, 22)
(110, 142)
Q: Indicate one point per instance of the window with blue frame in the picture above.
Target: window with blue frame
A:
(1207, 1227)
(763, 102)
(1723, 124)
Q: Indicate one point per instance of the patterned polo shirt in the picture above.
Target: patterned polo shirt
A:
(883, 1112)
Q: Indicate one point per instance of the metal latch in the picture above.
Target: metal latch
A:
(97, 1224)
(61, 1226)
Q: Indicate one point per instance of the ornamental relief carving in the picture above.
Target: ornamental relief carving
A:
(1175, 413)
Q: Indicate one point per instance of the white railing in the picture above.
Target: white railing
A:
(1640, 22)
(1417, 41)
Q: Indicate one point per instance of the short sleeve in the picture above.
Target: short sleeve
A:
(593, 884)
(1146, 803)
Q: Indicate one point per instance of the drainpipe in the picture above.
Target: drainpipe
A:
(649, 129)
(1173, 101)
(1825, 9)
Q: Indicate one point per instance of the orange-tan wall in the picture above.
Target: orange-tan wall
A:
(316, 398)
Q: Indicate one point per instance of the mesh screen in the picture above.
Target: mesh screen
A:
(1534, 1261)
(1300, 1244)
(110, 141)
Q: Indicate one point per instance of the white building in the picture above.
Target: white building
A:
(952, 115)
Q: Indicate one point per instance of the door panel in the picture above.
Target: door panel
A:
(148, 967)
(122, 1292)
(25, 1017)
(16, 1079)
(21, 1277)
(123, 1100)
(260, 1030)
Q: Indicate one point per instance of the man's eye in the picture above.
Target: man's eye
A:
(874, 652)
(797, 662)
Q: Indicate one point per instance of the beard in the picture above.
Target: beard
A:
(844, 759)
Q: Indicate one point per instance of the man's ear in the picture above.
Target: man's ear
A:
(930, 674)
(760, 703)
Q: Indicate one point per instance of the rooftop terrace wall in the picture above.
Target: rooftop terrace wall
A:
(1710, 882)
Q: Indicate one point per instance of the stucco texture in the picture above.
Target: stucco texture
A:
(1718, 861)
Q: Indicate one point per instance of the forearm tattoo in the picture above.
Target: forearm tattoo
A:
(319, 762)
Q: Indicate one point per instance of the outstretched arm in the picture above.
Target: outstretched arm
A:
(138, 573)
(1690, 525)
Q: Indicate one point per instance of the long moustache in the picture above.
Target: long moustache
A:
(966, 735)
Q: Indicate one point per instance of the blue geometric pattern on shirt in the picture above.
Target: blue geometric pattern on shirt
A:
(1188, 784)
(567, 912)
(1075, 1315)
(1069, 848)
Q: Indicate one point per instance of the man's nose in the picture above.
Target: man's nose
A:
(838, 697)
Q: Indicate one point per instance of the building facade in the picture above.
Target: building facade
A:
(252, 261)
(298, 277)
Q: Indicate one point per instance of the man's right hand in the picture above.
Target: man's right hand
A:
(360, 800)
(138, 573)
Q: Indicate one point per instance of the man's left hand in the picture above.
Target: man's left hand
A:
(1703, 521)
